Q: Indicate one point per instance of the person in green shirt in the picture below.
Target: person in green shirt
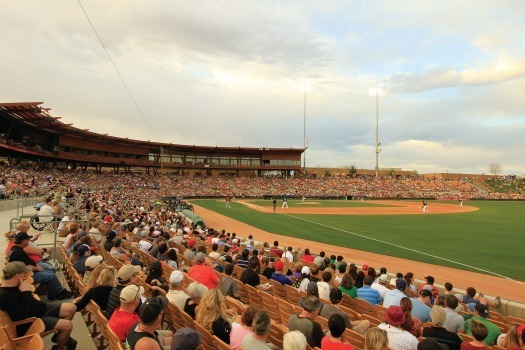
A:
(481, 312)
(347, 286)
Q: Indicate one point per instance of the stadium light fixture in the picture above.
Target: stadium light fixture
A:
(305, 88)
(377, 92)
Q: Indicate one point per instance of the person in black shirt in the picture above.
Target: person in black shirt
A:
(16, 299)
(250, 277)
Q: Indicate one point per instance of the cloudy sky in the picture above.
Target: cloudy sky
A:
(228, 73)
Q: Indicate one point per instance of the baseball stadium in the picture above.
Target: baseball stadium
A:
(448, 229)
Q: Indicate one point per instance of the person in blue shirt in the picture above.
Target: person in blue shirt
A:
(369, 294)
(279, 276)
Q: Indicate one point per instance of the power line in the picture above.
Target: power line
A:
(116, 70)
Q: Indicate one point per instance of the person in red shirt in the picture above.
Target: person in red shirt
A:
(275, 249)
(203, 273)
(307, 257)
(124, 316)
(337, 326)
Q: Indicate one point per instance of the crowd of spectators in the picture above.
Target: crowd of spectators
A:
(17, 181)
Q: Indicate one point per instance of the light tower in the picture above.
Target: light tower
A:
(377, 92)
(305, 88)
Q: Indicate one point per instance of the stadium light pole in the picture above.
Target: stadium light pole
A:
(305, 88)
(377, 92)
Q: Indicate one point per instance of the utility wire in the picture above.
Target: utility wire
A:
(118, 73)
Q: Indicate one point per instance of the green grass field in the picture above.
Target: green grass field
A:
(487, 239)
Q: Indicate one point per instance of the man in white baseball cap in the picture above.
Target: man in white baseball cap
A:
(176, 294)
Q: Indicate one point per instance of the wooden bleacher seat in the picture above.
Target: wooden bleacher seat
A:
(292, 295)
(236, 305)
(253, 296)
(37, 325)
(220, 344)
(356, 339)
(364, 307)
(270, 305)
(207, 341)
(176, 317)
(278, 289)
(348, 302)
(188, 321)
(276, 334)
(27, 342)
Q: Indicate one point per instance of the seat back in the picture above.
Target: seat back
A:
(292, 294)
(207, 342)
(276, 334)
(188, 321)
(220, 344)
(364, 307)
(357, 340)
(278, 289)
(253, 296)
(348, 302)
(270, 305)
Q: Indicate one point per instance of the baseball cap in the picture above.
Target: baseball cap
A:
(312, 289)
(394, 316)
(383, 278)
(305, 270)
(176, 276)
(185, 339)
(365, 267)
(15, 267)
(401, 284)
(200, 257)
(425, 293)
(83, 249)
(21, 236)
(482, 310)
(151, 309)
(144, 233)
(279, 265)
(131, 292)
(336, 294)
(93, 261)
(191, 243)
(127, 271)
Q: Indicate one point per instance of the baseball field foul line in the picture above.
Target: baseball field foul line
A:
(406, 248)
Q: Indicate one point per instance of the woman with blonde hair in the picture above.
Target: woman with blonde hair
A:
(100, 293)
(376, 339)
(92, 281)
(511, 340)
(212, 315)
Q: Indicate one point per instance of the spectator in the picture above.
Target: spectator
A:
(154, 276)
(324, 285)
(244, 260)
(250, 277)
(146, 334)
(196, 291)
(125, 316)
(302, 281)
(261, 327)
(126, 275)
(16, 299)
(440, 333)
(175, 294)
(481, 312)
(369, 294)
(411, 324)
(240, 332)
(511, 340)
(347, 286)
(100, 293)
(429, 284)
(203, 273)
(279, 275)
(319, 260)
(289, 254)
(276, 250)
(409, 279)
(307, 257)
(360, 326)
(398, 338)
(91, 263)
(84, 253)
(376, 339)
(380, 285)
(304, 322)
(228, 284)
(336, 324)
(171, 259)
(454, 322)
(266, 270)
(212, 315)
(294, 340)
(479, 332)
(394, 296)
(110, 236)
(421, 306)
